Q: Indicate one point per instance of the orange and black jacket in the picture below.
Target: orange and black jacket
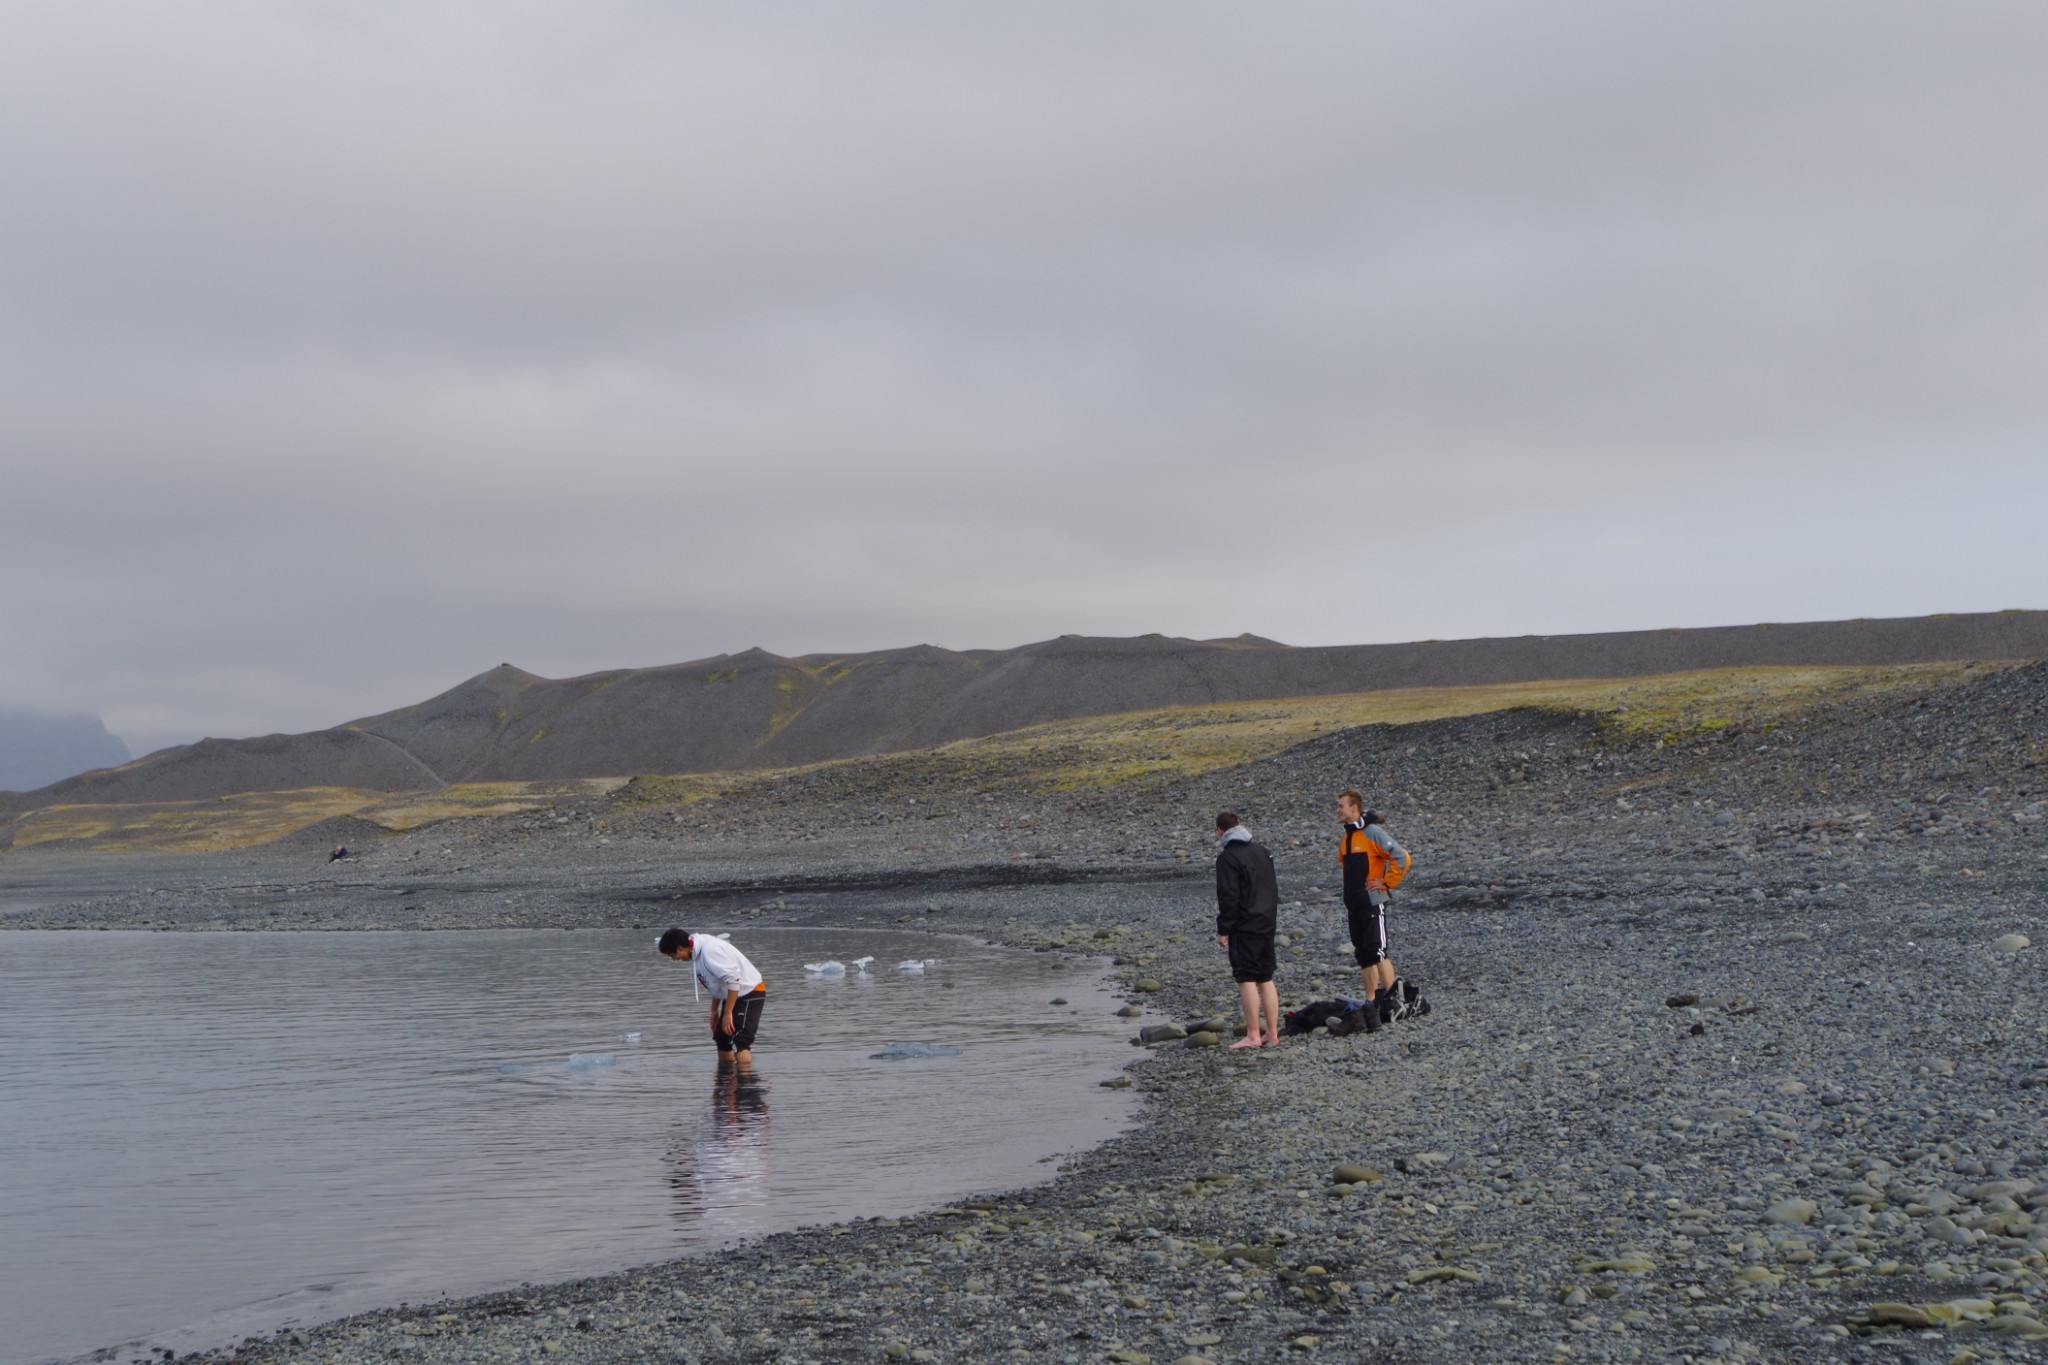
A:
(1365, 852)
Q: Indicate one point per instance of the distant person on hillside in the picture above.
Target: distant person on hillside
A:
(340, 852)
(1247, 916)
(1368, 855)
(736, 989)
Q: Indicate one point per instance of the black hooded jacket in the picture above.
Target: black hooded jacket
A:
(1247, 891)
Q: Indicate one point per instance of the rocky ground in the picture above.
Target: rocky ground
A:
(1740, 1049)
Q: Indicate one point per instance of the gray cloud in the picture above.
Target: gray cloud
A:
(345, 352)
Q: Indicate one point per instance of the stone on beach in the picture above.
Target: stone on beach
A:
(1791, 1212)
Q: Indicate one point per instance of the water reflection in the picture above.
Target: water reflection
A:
(720, 1166)
(399, 1115)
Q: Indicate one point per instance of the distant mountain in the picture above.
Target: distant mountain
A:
(760, 710)
(38, 749)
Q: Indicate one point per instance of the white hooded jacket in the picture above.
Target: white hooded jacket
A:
(721, 968)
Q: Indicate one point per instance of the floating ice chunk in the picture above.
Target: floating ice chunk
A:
(632, 1037)
(913, 966)
(591, 1061)
(510, 1069)
(860, 964)
(825, 968)
(899, 1052)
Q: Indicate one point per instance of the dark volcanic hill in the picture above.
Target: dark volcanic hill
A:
(760, 710)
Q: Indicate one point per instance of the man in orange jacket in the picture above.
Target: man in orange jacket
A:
(1366, 851)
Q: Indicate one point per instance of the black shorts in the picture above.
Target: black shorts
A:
(746, 1018)
(1369, 934)
(1251, 957)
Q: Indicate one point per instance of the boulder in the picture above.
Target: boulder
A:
(1899, 1315)
(1791, 1212)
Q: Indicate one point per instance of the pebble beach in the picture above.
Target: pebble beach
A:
(1739, 1048)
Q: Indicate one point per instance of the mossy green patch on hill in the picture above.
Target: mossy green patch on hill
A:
(1188, 740)
(469, 800)
(250, 818)
(186, 826)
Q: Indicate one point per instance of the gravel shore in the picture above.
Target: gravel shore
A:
(1739, 1051)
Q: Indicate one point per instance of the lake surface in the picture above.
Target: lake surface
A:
(207, 1136)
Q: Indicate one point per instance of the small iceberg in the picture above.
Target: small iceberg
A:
(860, 964)
(825, 968)
(578, 1061)
(915, 967)
(901, 1052)
(632, 1037)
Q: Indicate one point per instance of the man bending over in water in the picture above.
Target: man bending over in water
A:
(1247, 915)
(736, 989)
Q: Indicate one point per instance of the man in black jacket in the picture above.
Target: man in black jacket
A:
(1247, 914)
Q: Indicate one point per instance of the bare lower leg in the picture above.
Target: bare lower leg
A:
(1248, 999)
(1385, 968)
(1269, 998)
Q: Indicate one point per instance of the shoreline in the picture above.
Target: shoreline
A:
(1571, 1160)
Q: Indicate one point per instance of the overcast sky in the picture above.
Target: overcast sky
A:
(349, 349)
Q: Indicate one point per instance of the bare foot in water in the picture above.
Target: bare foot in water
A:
(1245, 1042)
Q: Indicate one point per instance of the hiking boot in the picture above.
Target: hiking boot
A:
(1383, 1005)
(1368, 1019)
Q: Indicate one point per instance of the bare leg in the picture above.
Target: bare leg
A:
(1269, 996)
(1248, 998)
(743, 1060)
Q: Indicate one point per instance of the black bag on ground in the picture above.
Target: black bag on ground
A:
(1331, 1014)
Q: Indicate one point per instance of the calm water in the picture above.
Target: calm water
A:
(204, 1136)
